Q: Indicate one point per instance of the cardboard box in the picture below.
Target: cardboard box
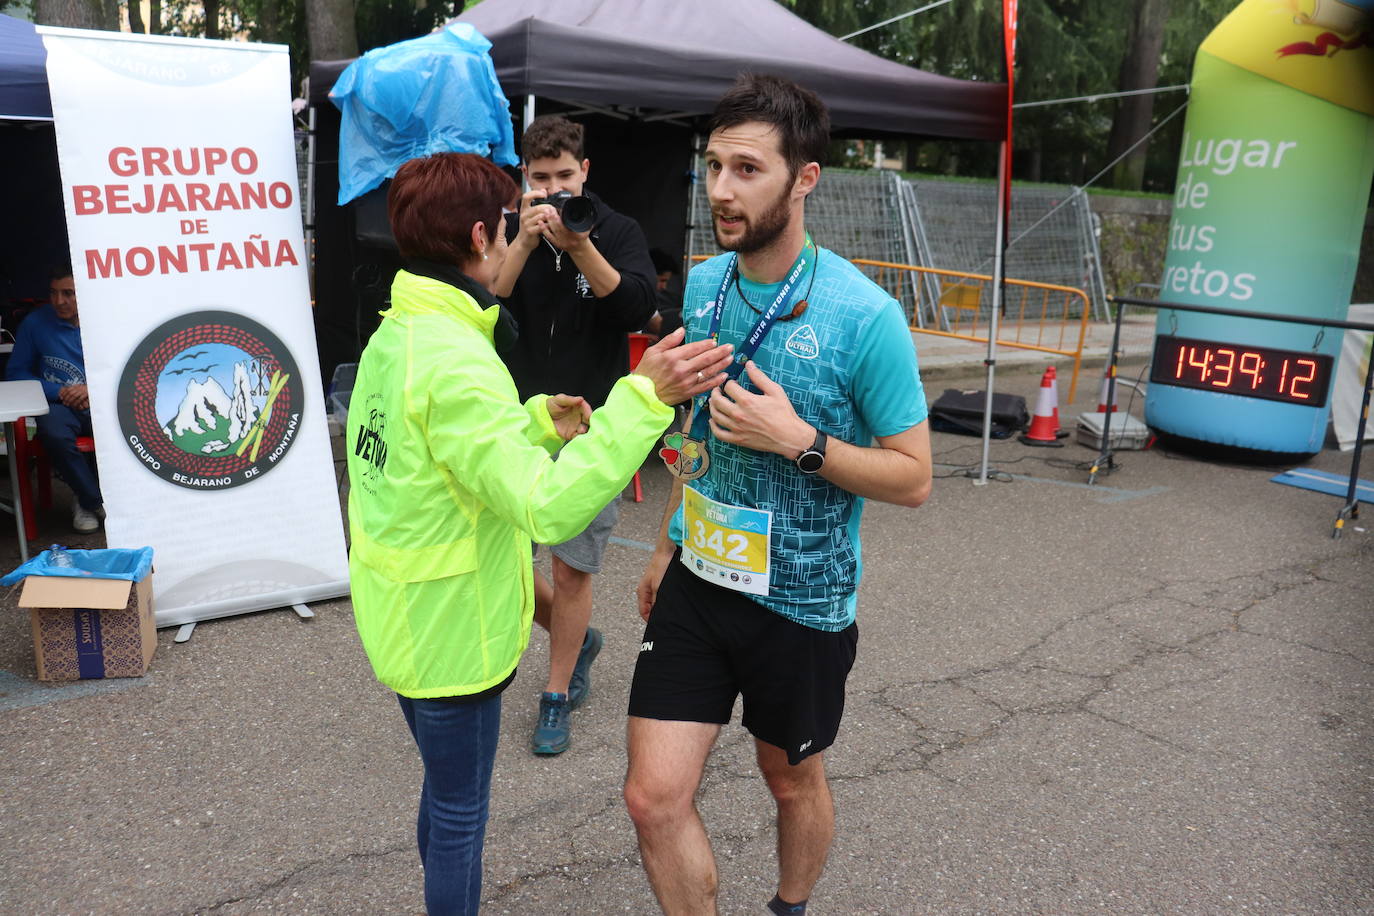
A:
(90, 628)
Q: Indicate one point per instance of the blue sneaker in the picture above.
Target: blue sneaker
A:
(553, 734)
(581, 681)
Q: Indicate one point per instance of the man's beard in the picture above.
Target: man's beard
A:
(759, 234)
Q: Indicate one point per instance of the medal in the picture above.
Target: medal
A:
(685, 456)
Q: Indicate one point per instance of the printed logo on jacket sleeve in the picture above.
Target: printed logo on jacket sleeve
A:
(369, 444)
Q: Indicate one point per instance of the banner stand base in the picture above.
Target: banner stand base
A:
(186, 629)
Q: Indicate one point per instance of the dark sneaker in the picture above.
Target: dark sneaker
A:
(581, 682)
(553, 733)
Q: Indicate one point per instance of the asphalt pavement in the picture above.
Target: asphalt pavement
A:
(1149, 695)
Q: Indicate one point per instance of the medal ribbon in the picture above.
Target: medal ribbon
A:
(700, 412)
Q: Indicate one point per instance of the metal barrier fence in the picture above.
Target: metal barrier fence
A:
(1052, 238)
(851, 213)
(1042, 317)
(854, 212)
(944, 226)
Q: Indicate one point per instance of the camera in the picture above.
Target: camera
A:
(577, 213)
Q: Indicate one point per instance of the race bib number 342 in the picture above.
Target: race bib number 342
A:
(725, 544)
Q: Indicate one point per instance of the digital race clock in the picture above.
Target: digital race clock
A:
(1252, 372)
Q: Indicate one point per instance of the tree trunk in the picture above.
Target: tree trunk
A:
(154, 17)
(333, 33)
(1139, 70)
(211, 8)
(136, 17)
(78, 14)
(269, 22)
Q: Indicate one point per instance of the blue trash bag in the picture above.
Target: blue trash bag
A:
(434, 94)
(113, 563)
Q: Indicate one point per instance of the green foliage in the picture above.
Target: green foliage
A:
(379, 22)
(1065, 48)
(385, 22)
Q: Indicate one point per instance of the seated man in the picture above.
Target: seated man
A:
(48, 349)
(668, 317)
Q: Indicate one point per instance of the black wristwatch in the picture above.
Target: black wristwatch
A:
(812, 459)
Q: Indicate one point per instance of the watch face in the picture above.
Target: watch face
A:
(810, 462)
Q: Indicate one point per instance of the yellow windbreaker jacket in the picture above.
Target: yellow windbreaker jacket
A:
(450, 479)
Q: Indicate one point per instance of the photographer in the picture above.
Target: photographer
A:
(577, 278)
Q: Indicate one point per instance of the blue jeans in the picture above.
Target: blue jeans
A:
(57, 430)
(457, 743)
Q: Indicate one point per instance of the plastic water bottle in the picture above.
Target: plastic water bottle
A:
(58, 556)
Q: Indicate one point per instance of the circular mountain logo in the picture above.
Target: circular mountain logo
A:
(210, 400)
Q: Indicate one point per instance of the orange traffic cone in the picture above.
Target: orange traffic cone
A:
(1102, 406)
(1044, 428)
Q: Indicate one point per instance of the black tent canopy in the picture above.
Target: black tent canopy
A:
(681, 57)
(641, 75)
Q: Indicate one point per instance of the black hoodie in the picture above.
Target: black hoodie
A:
(570, 341)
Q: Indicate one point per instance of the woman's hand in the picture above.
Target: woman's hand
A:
(682, 371)
(570, 415)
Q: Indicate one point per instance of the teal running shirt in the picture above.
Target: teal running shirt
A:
(849, 368)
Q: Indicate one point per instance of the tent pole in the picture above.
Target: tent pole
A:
(691, 206)
(998, 276)
(526, 118)
(310, 202)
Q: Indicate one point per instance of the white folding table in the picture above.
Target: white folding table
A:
(17, 400)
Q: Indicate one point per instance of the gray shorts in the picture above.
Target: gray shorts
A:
(585, 551)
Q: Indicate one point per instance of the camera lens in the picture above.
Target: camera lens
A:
(579, 214)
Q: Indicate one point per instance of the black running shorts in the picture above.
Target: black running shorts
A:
(705, 645)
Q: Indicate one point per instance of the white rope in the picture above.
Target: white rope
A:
(1100, 96)
(879, 25)
(1087, 184)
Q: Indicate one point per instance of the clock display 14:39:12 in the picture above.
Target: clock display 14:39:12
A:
(1260, 372)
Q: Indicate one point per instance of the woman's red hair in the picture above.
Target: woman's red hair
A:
(434, 203)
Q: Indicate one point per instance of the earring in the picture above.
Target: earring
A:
(484, 256)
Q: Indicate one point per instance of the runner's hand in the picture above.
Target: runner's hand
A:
(648, 583)
(764, 422)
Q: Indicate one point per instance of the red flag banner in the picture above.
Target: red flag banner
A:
(1009, 43)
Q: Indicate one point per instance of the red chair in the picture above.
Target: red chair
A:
(28, 449)
(638, 344)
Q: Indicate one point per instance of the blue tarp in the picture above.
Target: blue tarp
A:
(434, 94)
(113, 563)
(23, 71)
(1326, 482)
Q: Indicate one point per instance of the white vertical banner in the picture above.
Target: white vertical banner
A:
(179, 179)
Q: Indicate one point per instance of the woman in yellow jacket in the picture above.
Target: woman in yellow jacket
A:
(451, 476)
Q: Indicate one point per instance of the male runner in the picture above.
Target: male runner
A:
(759, 598)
